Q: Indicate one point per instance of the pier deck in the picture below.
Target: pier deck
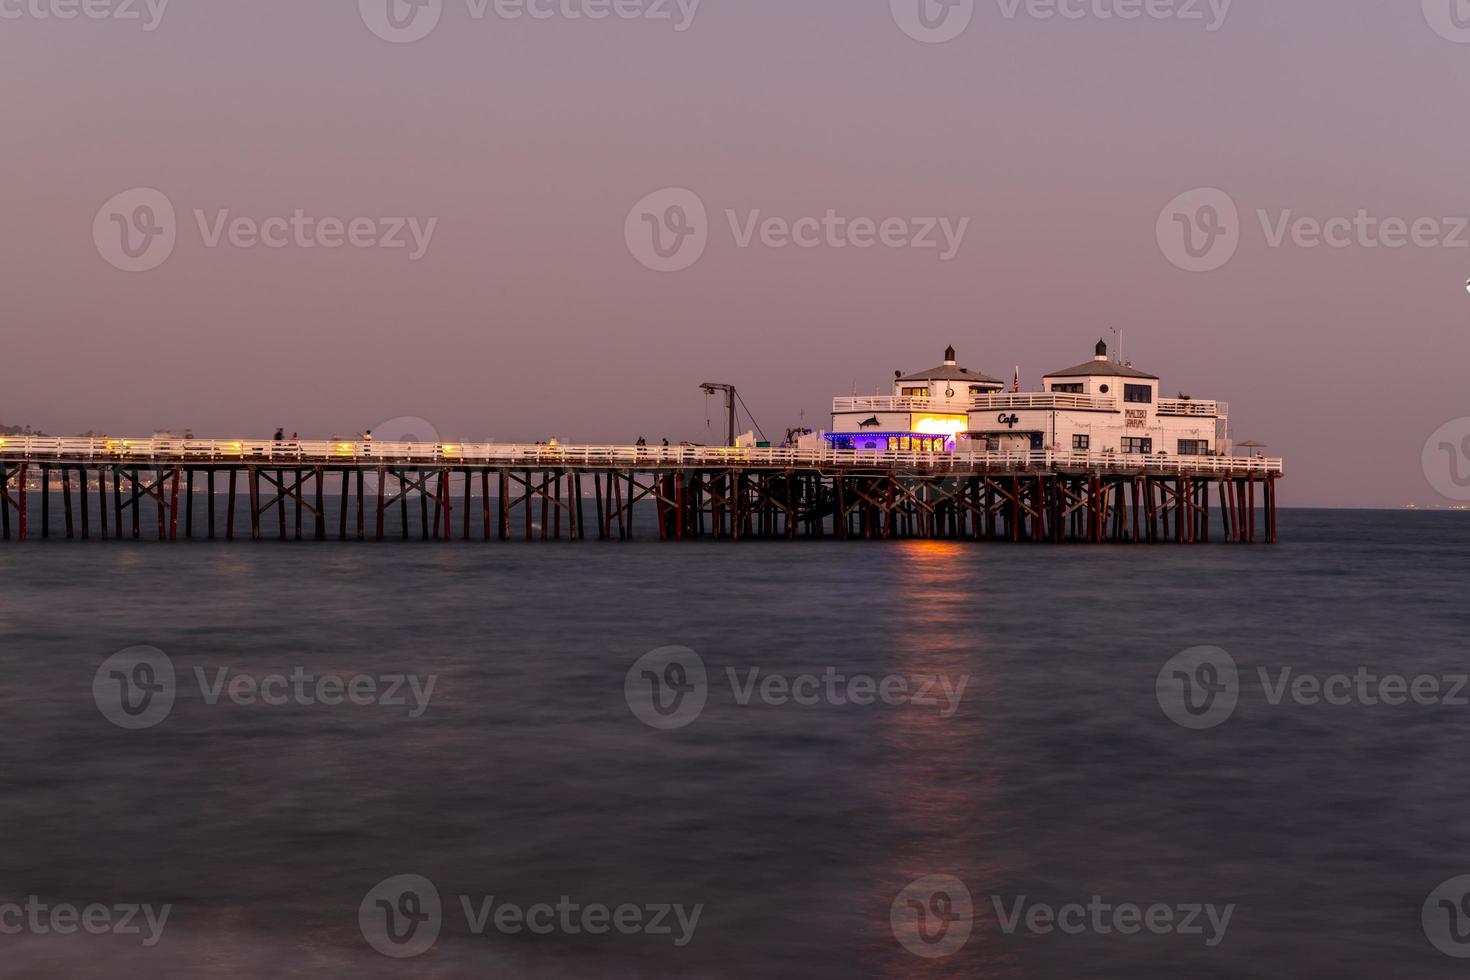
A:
(494, 492)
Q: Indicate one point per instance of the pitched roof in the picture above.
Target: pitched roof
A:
(948, 372)
(1104, 369)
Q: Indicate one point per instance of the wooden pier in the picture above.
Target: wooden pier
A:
(288, 490)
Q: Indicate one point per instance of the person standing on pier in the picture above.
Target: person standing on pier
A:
(367, 442)
(280, 433)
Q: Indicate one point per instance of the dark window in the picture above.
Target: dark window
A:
(1103, 388)
(1068, 389)
(1135, 445)
(1194, 447)
(1081, 442)
(1139, 394)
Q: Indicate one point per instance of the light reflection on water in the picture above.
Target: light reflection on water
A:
(943, 808)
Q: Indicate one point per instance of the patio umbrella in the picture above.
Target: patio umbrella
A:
(1250, 444)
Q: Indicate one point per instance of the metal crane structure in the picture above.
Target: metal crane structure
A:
(712, 387)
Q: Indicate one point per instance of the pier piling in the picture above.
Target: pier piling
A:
(691, 493)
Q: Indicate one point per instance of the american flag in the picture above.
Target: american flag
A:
(1016, 384)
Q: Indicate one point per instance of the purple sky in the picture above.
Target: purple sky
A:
(1061, 140)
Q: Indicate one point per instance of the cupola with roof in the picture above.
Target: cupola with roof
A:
(1101, 367)
(929, 382)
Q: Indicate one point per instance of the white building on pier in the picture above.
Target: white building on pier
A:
(1098, 406)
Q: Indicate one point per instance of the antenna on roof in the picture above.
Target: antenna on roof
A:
(1118, 357)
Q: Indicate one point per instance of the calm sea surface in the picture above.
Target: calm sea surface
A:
(1055, 779)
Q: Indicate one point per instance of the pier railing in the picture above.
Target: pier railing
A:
(148, 452)
(1051, 400)
(901, 403)
(978, 403)
(1044, 400)
(1194, 409)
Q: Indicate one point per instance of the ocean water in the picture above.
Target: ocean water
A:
(1054, 777)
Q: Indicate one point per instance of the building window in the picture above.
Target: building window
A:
(1138, 394)
(1081, 443)
(1135, 445)
(976, 390)
(1194, 447)
(916, 393)
(992, 444)
(1068, 389)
